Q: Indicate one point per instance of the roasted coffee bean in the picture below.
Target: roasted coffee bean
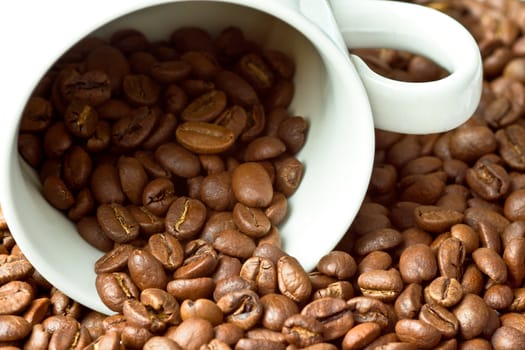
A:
(368, 309)
(251, 221)
(201, 308)
(159, 342)
(14, 267)
(83, 206)
(302, 330)
(338, 264)
(185, 217)
(361, 335)
(191, 288)
(408, 303)
(216, 191)
(472, 314)
(276, 309)
(115, 288)
(376, 240)
(498, 296)
(158, 195)
(333, 313)
(490, 263)
(77, 168)
(288, 175)
(133, 178)
(376, 260)
(241, 307)
(384, 285)
(444, 291)
(417, 264)
(340, 289)
(292, 279)
(15, 296)
(417, 332)
(89, 229)
(37, 115)
(178, 160)
(488, 180)
(105, 184)
(91, 87)
(57, 194)
(146, 271)
(204, 138)
(511, 145)
(440, 318)
(166, 249)
(450, 258)
(436, 219)
(236, 88)
(184, 334)
(117, 222)
(114, 260)
(263, 272)
(81, 119)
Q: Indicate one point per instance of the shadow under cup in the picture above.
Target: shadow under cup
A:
(337, 155)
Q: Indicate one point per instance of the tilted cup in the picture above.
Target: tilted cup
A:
(329, 92)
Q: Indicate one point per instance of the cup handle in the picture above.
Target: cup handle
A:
(415, 108)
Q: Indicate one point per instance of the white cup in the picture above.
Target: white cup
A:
(330, 93)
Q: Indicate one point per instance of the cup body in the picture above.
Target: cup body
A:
(337, 156)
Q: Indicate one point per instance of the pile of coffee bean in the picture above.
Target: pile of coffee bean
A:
(435, 258)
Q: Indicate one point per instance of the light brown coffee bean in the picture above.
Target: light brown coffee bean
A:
(292, 279)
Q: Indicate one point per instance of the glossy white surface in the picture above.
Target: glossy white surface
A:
(338, 155)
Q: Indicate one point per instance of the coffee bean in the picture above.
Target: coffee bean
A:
(185, 217)
(408, 303)
(89, 228)
(178, 160)
(333, 313)
(251, 185)
(367, 309)
(77, 168)
(216, 191)
(166, 249)
(15, 296)
(292, 280)
(472, 314)
(440, 318)
(158, 195)
(384, 285)
(201, 308)
(117, 222)
(418, 332)
(376, 240)
(450, 258)
(146, 271)
(338, 264)
(56, 193)
(115, 288)
(444, 291)
(361, 335)
(263, 272)
(490, 263)
(105, 184)
(302, 330)
(241, 307)
(184, 334)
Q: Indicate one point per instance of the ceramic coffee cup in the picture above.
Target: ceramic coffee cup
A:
(342, 99)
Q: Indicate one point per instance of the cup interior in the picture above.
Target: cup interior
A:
(337, 156)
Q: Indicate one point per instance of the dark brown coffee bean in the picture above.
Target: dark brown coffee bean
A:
(472, 314)
(408, 303)
(514, 257)
(57, 194)
(81, 119)
(201, 260)
(216, 191)
(115, 288)
(255, 70)
(511, 145)
(234, 243)
(110, 60)
(158, 195)
(203, 64)
(417, 264)
(101, 138)
(251, 185)
(89, 229)
(436, 219)
(491, 264)
(37, 115)
(117, 222)
(384, 285)
(467, 235)
(237, 89)
(206, 107)
(289, 172)
(162, 133)
(251, 221)
(241, 307)
(280, 95)
(233, 118)
(278, 208)
(264, 147)
(468, 144)
(302, 330)
(185, 217)
(140, 89)
(292, 279)
(361, 335)
(376, 260)
(440, 318)
(166, 249)
(92, 87)
(133, 178)
(30, 148)
(114, 260)
(376, 240)
(149, 223)
(130, 131)
(204, 138)
(450, 258)
(423, 189)
(340, 289)
(167, 72)
(146, 271)
(513, 207)
(105, 184)
(191, 39)
(418, 332)
(178, 160)
(490, 181)
(263, 272)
